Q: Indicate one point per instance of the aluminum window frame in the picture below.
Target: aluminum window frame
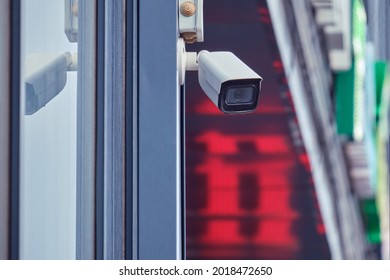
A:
(138, 216)
(159, 187)
(87, 138)
(5, 65)
(131, 111)
(114, 131)
(101, 186)
(15, 80)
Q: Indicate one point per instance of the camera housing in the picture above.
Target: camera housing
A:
(232, 86)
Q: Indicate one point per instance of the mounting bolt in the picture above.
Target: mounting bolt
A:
(187, 9)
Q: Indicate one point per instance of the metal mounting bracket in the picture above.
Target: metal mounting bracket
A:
(190, 14)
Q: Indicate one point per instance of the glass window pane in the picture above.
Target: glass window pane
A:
(49, 126)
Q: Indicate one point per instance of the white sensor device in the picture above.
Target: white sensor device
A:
(229, 83)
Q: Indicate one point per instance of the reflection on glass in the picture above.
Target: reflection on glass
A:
(45, 77)
(48, 187)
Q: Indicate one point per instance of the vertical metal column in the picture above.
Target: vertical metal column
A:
(15, 67)
(114, 130)
(131, 120)
(4, 126)
(86, 130)
(159, 224)
(101, 130)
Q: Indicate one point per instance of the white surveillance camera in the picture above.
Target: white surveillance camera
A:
(232, 86)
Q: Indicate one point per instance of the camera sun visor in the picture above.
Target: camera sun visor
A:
(239, 96)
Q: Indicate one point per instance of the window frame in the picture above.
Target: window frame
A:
(5, 159)
(158, 200)
(15, 80)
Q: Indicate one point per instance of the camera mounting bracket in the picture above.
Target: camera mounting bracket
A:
(190, 14)
(186, 61)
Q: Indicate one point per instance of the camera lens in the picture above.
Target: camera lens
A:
(239, 95)
(243, 95)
